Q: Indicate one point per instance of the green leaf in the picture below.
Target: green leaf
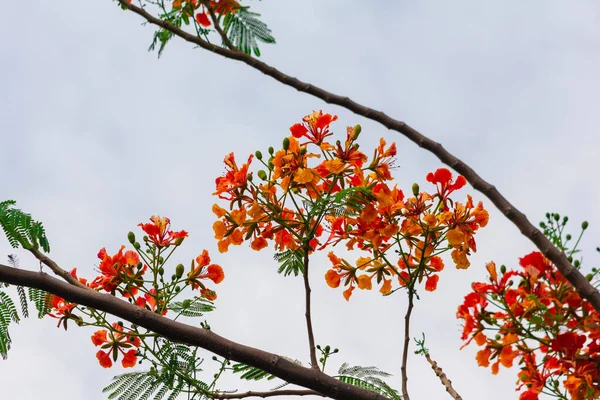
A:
(291, 262)
(20, 229)
(245, 30)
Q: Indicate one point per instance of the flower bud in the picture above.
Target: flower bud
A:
(137, 245)
(177, 288)
(415, 189)
(139, 265)
(556, 217)
(262, 174)
(131, 237)
(178, 241)
(503, 269)
(286, 143)
(271, 150)
(357, 131)
(161, 271)
(179, 270)
(173, 277)
(258, 155)
(542, 225)
(303, 151)
(584, 225)
(576, 263)
(161, 259)
(570, 258)
(565, 219)
(589, 277)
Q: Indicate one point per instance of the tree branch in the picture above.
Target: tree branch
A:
(445, 381)
(309, 327)
(559, 259)
(55, 268)
(411, 294)
(289, 392)
(176, 331)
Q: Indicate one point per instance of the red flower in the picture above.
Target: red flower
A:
(158, 231)
(116, 269)
(315, 127)
(442, 178)
(235, 180)
(203, 270)
(116, 342)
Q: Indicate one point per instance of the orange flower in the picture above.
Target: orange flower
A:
(116, 269)
(203, 270)
(332, 278)
(315, 127)
(483, 357)
(235, 180)
(431, 283)
(158, 231)
(259, 243)
(364, 282)
(116, 342)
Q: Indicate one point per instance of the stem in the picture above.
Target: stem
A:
(411, 294)
(309, 328)
(443, 378)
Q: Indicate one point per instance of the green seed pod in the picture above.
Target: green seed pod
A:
(584, 225)
(271, 150)
(179, 270)
(258, 155)
(262, 174)
(415, 189)
(131, 237)
(286, 143)
(589, 277)
(327, 348)
(161, 271)
(137, 245)
(503, 269)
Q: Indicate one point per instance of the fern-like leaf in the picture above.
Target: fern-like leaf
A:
(42, 301)
(368, 378)
(245, 30)
(21, 229)
(193, 308)
(291, 262)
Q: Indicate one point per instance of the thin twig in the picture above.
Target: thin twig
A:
(288, 392)
(409, 309)
(445, 381)
(559, 259)
(194, 336)
(55, 268)
(309, 328)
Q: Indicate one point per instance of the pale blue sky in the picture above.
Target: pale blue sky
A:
(97, 135)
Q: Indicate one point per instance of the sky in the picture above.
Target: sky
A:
(97, 135)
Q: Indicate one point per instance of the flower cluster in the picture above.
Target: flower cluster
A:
(533, 315)
(313, 194)
(138, 276)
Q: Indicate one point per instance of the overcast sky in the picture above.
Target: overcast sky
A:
(97, 135)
